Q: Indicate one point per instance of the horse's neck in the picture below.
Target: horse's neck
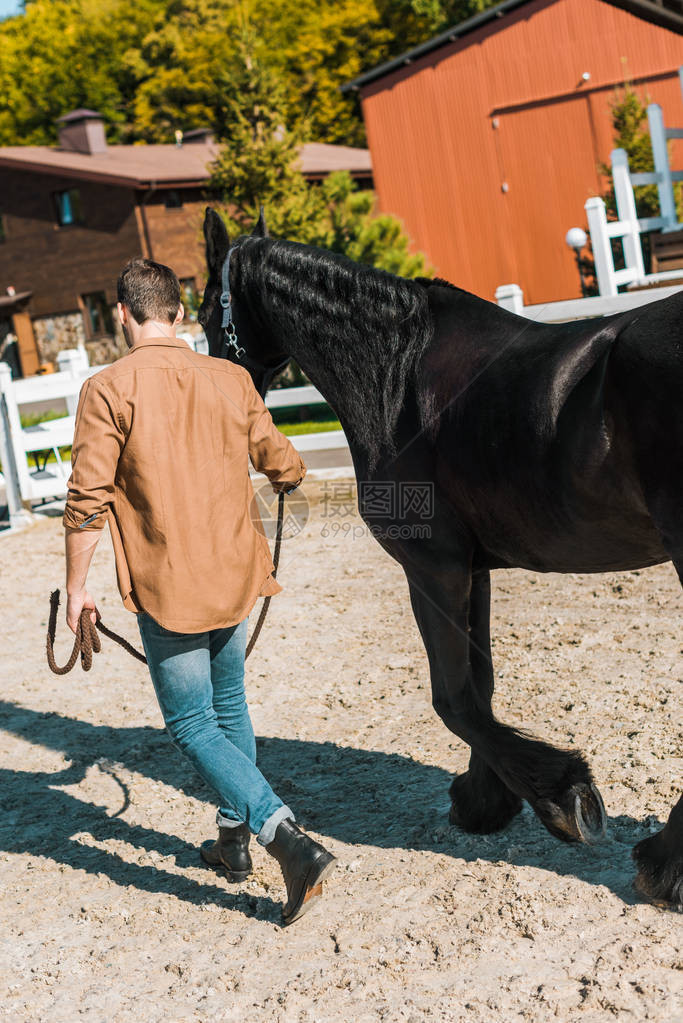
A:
(362, 367)
(333, 372)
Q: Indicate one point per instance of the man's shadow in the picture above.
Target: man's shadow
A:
(352, 795)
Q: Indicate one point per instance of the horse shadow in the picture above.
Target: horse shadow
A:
(351, 795)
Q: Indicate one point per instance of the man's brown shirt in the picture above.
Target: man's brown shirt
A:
(161, 451)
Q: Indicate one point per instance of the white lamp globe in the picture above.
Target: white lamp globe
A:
(576, 238)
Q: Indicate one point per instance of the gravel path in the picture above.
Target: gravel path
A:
(108, 916)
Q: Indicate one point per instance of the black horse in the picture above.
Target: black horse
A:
(551, 448)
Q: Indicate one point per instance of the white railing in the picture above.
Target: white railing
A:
(511, 297)
(24, 484)
(629, 227)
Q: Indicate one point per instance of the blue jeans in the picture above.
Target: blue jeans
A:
(199, 682)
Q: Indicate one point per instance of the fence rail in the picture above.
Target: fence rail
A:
(511, 297)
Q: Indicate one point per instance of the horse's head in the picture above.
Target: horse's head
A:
(262, 355)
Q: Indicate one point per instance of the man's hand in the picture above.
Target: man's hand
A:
(75, 602)
(80, 545)
(286, 487)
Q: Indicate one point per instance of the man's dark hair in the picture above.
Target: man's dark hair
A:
(150, 290)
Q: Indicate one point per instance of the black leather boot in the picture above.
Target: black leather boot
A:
(229, 854)
(305, 865)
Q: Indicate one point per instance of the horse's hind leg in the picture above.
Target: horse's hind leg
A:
(660, 858)
(660, 862)
(557, 783)
(480, 801)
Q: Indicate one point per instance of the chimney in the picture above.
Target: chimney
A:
(198, 135)
(82, 131)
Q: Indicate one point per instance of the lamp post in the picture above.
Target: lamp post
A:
(576, 238)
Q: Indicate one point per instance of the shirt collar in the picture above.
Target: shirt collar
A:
(173, 342)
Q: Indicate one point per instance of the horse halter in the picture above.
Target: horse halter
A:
(227, 325)
(230, 333)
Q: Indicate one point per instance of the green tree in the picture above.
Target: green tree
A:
(63, 54)
(347, 221)
(629, 121)
(257, 161)
(316, 47)
(158, 65)
(411, 22)
(258, 165)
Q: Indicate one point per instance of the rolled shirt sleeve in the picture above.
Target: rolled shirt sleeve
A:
(270, 451)
(98, 442)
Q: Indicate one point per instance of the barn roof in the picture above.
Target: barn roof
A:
(649, 11)
(166, 166)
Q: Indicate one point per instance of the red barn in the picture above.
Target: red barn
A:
(486, 141)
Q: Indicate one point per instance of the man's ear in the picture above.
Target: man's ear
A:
(180, 315)
(260, 228)
(123, 314)
(217, 240)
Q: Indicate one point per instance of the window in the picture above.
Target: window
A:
(97, 314)
(68, 207)
(173, 201)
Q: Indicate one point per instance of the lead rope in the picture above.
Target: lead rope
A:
(87, 641)
(276, 561)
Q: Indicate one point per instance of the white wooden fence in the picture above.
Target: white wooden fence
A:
(511, 297)
(24, 484)
(630, 226)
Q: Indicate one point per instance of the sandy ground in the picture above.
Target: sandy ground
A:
(107, 914)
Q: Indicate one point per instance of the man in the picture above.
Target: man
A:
(161, 452)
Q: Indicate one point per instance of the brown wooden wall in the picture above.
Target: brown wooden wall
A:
(60, 263)
(176, 234)
(506, 105)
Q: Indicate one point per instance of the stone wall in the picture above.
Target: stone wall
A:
(103, 350)
(55, 333)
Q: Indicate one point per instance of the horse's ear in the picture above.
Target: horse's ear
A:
(261, 230)
(216, 238)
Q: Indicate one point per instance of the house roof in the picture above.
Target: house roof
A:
(19, 298)
(645, 9)
(166, 166)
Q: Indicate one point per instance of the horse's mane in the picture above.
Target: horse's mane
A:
(365, 328)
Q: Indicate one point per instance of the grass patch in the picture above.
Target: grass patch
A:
(317, 426)
(41, 417)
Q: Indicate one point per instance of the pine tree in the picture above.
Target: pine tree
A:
(258, 165)
(629, 120)
(257, 161)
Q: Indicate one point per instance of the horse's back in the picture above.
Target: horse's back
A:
(542, 448)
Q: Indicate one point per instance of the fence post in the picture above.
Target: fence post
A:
(18, 515)
(627, 213)
(201, 343)
(72, 361)
(667, 204)
(602, 250)
(510, 297)
(12, 431)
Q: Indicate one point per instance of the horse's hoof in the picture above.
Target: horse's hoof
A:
(481, 810)
(580, 817)
(660, 878)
